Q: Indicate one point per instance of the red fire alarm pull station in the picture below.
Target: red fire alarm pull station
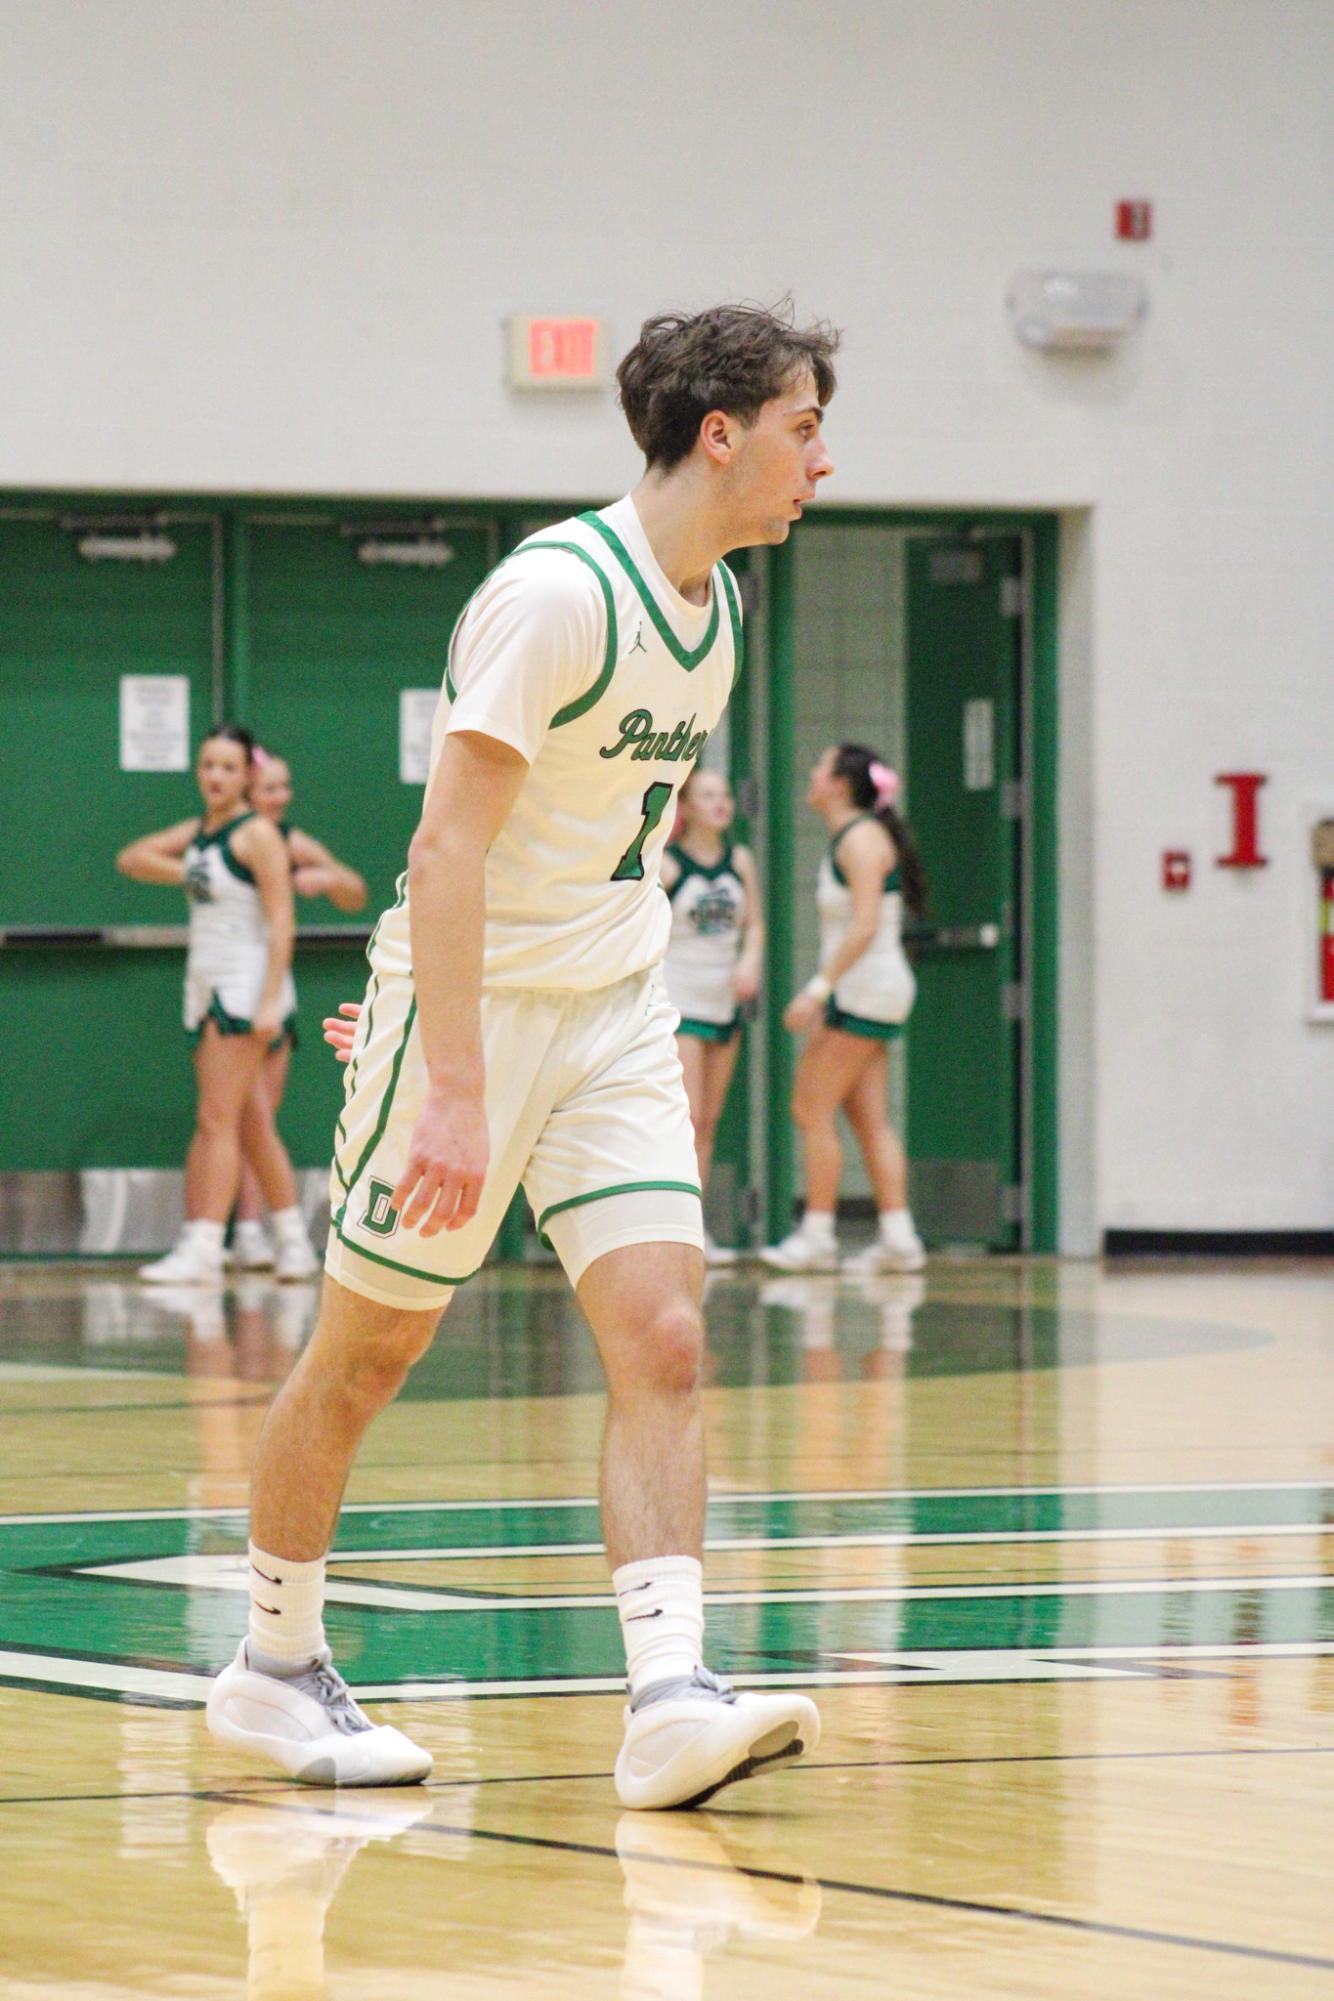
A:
(1134, 221)
(1176, 868)
(1245, 819)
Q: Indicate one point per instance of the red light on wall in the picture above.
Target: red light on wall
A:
(1134, 221)
(555, 353)
(1245, 786)
(1176, 868)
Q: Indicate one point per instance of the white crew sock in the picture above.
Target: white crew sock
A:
(206, 1237)
(661, 1603)
(249, 1230)
(289, 1226)
(896, 1227)
(817, 1226)
(286, 1613)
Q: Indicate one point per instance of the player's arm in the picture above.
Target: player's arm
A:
(472, 792)
(865, 854)
(750, 960)
(261, 847)
(159, 857)
(317, 871)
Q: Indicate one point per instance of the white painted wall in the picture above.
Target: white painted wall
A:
(268, 246)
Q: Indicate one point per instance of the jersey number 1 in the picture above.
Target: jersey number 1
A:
(630, 868)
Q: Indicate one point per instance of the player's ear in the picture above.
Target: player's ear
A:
(715, 434)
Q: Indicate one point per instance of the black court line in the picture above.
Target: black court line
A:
(1089, 1927)
(575, 1778)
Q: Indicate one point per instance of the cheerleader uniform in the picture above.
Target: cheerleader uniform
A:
(229, 940)
(875, 996)
(708, 910)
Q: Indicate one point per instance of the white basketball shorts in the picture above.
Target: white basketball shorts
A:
(586, 1110)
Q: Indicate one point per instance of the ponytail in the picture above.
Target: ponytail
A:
(873, 788)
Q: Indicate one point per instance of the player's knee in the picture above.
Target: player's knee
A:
(375, 1370)
(672, 1348)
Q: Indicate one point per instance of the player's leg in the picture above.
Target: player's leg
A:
(898, 1246)
(225, 1070)
(253, 1250)
(282, 1699)
(828, 1068)
(687, 1733)
(263, 1148)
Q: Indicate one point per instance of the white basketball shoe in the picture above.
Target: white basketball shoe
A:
(686, 1739)
(310, 1727)
(903, 1252)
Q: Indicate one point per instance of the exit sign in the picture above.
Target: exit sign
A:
(555, 353)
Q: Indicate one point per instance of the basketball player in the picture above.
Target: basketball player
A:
(714, 954)
(515, 1029)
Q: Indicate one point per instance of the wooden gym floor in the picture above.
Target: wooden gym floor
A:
(1051, 1543)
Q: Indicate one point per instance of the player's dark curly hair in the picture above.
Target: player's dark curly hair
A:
(853, 761)
(732, 358)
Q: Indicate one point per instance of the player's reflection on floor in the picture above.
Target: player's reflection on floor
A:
(285, 1861)
(839, 1338)
(693, 1886)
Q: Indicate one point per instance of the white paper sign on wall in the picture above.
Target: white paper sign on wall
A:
(979, 746)
(154, 722)
(416, 713)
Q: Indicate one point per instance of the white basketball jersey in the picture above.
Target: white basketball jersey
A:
(579, 653)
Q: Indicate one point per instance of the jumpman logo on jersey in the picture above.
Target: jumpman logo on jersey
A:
(639, 646)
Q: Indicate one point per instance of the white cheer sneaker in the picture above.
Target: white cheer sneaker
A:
(801, 1253)
(186, 1263)
(687, 1739)
(310, 1727)
(906, 1253)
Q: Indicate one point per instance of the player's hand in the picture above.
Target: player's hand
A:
(340, 1035)
(746, 980)
(441, 1185)
(803, 1011)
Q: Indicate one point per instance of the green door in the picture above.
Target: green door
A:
(338, 619)
(73, 620)
(964, 791)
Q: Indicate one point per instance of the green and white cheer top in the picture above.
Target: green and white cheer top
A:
(578, 653)
(708, 911)
(228, 952)
(878, 987)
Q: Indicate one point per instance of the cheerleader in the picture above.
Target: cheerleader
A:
(714, 955)
(854, 1008)
(315, 872)
(239, 1004)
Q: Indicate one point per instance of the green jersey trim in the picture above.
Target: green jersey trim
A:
(392, 1264)
(669, 639)
(383, 1119)
(734, 613)
(600, 1194)
(582, 703)
(221, 839)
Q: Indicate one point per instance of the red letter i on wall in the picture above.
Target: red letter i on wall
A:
(1245, 819)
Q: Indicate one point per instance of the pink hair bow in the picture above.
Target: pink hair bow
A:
(886, 783)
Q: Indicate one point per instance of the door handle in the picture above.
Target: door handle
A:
(953, 937)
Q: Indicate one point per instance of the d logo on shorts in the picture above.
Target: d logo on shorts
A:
(381, 1218)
